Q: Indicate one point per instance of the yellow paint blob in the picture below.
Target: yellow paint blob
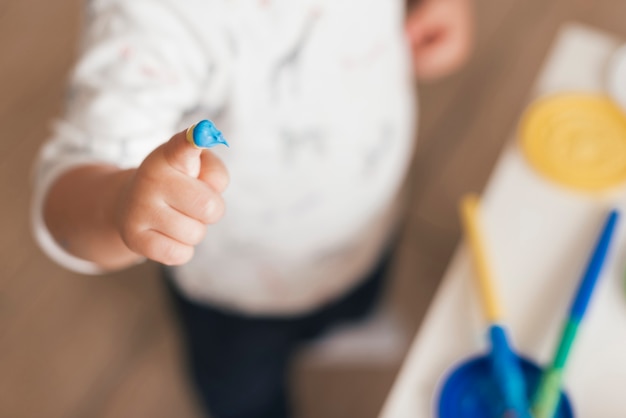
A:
(578, 140)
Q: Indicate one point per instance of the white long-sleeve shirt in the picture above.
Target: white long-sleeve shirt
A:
(316, 100)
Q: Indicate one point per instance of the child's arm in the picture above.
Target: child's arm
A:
(100, 186)
(112, 217)
(440, 34)
(79, 214)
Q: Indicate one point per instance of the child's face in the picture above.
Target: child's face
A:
(440, 34)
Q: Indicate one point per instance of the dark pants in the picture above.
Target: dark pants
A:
(240, 364)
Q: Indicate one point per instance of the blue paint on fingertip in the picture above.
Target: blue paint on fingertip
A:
(206, 135)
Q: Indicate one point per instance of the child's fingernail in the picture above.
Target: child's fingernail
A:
(204, 134)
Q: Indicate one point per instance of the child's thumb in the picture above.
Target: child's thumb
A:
(184, 149)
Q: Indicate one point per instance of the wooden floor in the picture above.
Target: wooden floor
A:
(104, 347)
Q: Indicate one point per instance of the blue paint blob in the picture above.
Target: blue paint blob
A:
(206, 135)
(470, 391)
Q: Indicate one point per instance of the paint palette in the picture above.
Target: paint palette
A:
(469, 391)
(577, 140)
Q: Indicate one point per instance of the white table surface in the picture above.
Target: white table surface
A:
(539, 237)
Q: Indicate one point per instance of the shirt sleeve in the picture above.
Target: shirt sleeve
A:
(142, 68)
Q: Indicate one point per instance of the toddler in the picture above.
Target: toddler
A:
(271, 241)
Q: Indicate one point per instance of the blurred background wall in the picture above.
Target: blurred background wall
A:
(101, 347)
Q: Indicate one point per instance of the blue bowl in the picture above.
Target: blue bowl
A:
(470, 392)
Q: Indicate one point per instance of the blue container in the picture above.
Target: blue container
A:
(469, 391)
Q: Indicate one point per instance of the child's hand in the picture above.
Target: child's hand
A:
(440, 35)
(171, 198)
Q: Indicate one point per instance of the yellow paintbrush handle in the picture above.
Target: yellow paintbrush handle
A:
(469, 216)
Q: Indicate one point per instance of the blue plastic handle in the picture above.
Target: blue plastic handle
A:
(507, 372)
(587, 284)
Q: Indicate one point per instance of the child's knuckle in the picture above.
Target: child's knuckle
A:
(196, 235)
(216, 210)
(207, 205)
(220, 179)
(175, 254)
